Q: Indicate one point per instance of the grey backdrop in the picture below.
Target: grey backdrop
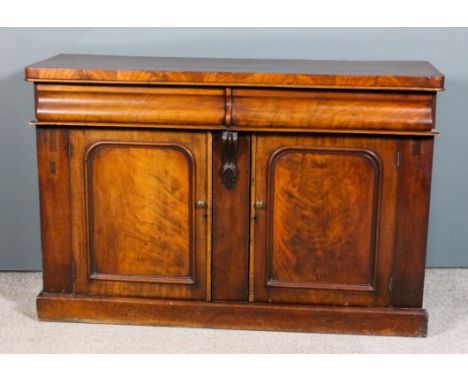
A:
(447, 49)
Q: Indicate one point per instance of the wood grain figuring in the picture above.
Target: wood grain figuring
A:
(331, 110)
(231, 226)
(403, 75)
(283, 317)
(412, 222)
(137, 105)
(136, 231)
(323, 209)
(325, 235)
(233, 193)
(241, 109)
(54, 197)
(140, 208)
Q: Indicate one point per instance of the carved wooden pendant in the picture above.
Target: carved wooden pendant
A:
(229, 171)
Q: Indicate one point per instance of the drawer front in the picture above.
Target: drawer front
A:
(302, 110)
(126, 105)
(239, 109)
(137, 230)
(324, 222)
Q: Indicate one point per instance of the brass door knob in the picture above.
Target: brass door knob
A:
(259, 204)
(201, 204)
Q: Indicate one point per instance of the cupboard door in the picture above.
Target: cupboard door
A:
(140, 206)
(324, 219)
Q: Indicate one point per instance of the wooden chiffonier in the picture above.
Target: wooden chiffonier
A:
(250, 194)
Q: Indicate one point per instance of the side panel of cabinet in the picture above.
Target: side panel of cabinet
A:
(54, 193)
(136, 228)
(324, 227)
(414, 187)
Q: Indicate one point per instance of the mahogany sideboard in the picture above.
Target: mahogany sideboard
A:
(250, 194)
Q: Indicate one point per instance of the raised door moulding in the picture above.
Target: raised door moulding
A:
(376, 166)
(95, 148)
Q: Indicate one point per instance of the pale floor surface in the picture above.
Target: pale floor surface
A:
(446, 299)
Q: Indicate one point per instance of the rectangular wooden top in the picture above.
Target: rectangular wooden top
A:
(384, 75)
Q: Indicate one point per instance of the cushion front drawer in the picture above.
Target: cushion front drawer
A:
(139, 105)
(260, 109)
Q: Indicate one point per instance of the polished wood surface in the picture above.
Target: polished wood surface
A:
(54, 197)
(325, 233)
(251, 194)
(238, 109)
(140, 200)
(282, 317)
(331, 110)
(404, 75)
(137, 105)
(136, 227)
(414, 188)
(231, 219)
(323, 204)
